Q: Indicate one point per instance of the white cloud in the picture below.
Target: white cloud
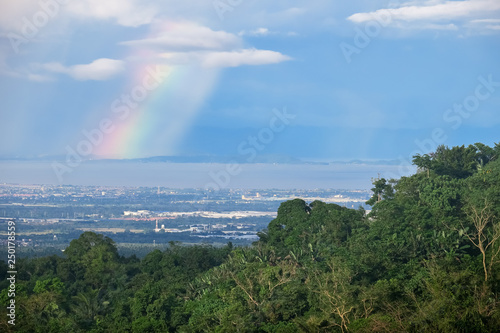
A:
(486, 24)
(99, 70)
(431, 26)
(187, 43)
(129, 13)
(433, 14)
(221, 59)
(428, 26)
(438, 12)
(243, 57)
(132, 13)
(256, 32)
(39, 78)
(497, 21)
(262, 32)
(187, 37)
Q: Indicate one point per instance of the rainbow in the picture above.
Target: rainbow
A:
(158, 123)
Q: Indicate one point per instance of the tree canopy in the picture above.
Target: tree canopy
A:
(425, 259)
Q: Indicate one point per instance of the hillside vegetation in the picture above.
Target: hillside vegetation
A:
(426, 259)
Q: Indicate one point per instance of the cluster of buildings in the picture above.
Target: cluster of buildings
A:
(207, 228)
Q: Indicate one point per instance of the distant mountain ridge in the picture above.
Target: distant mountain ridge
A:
(242, 159)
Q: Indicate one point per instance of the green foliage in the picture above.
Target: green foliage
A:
(49, 285)
(457, 162)
(383, 190)
(426, 259)
(307, 228)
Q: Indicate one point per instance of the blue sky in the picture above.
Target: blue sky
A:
(362, 79)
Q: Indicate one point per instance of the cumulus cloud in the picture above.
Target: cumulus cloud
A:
(188, 37)
(98, 70)
(222, 59)
(187, 43)
(243, 57)
(433, 13)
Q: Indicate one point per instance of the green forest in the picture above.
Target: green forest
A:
(425, 259)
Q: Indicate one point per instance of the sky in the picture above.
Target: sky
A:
(317, 80)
